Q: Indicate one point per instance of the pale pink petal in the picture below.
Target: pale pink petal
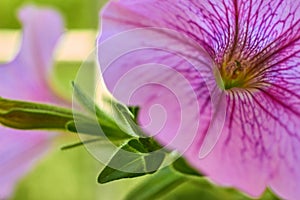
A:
(26, 78)
(161, 65)
(19, 151)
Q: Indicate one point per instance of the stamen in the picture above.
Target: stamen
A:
(233, 74)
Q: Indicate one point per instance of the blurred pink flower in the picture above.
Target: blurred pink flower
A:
(255, 45)
(26, 78)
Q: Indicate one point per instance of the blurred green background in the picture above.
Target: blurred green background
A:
(78, 14)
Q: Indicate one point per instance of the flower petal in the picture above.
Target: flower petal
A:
(156, 66)
(19, 151)
(260, 143)
(25, 78)
(260, 125)
(28, 73)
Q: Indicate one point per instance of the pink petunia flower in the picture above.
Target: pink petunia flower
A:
(249, 49)
(25, 78)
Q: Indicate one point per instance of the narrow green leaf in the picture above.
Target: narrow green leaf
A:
(139, 163)
(135, 112)
(92, 107)
(77, 144)
(34, 119)
(126, 120)
(71, 126)
(7, 105)
(137, 145)
(153, 161)
(157, 185)
(182, 166)
(269, 195)
(150, 144)
(28, 115)
(105, 126)
(167, 184)
(95, 128)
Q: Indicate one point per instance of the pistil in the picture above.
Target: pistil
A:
(233, 74)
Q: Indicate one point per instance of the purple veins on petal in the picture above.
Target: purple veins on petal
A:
(255, 47)
(26, 78)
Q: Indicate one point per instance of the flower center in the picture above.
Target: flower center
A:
(233, 74)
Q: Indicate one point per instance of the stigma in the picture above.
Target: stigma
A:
(234, 74)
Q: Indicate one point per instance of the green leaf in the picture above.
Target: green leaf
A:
(140, 162)
(196, 187)
(33, 119)
(7, 105)
(144, 145)
(26, 115)
(167, 184)
(135, 112)
(104, 125)
(157, 185)
(183, 167)
(95, 128)
(125, 119)
(268, 195)
(29, 115)
(91, 106)
(77, 144)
